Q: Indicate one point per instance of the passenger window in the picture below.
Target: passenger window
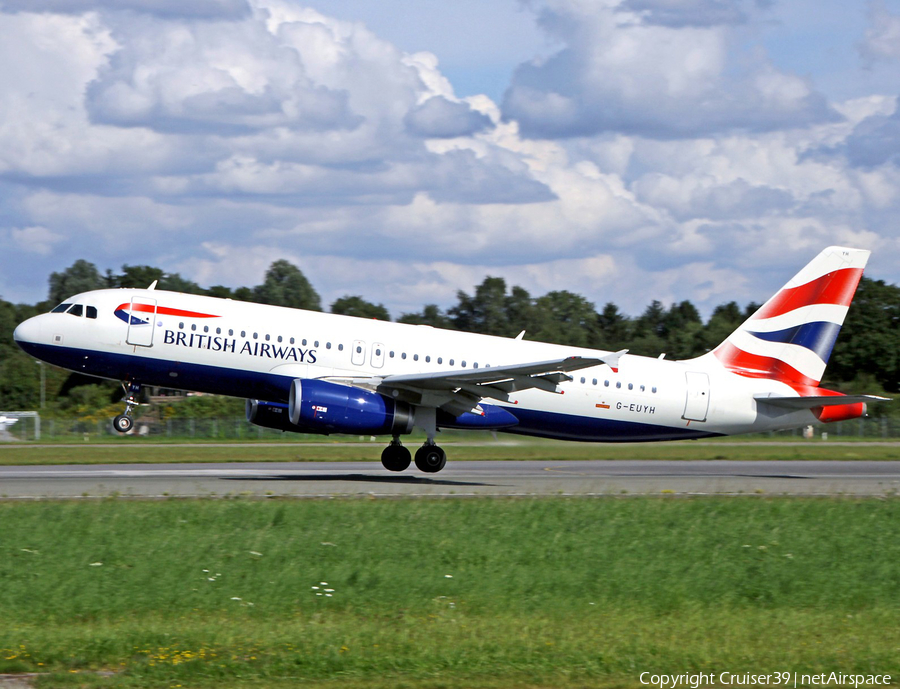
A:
(403, 356)
(630, 386)
(292, 340)
(464, 363)
(440, 360)
(206, 328)
(316, 344)
(76, 310)
(304, 342)
(475, 365)
(340, 348)
(218, 331)
(427, 359)
(583, 381)
(230, 332)
(359, 350)
(606, 383)
(267, 337)
(595, 381)
(642, 388)
(243, 333)
(91, 311)
(255, 336)
(62, 308)
(193, 326)
(653, 389)
(327, 345)
(279, 338)
(391, 355)
(415, 357)
(451, 362)
(618, 383)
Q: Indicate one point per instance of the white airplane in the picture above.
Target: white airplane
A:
(313, 372)
(6, 421)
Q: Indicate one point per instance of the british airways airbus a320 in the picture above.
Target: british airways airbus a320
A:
(313, 372)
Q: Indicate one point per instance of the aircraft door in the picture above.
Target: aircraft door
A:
(141, 322)
(377, 355)
(697, 398)
(358, 354)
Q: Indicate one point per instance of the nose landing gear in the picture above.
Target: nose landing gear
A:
(123, 422)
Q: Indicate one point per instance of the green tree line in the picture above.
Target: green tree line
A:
(865, 357)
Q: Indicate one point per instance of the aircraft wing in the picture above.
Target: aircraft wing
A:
(811, 401)
(460, 390)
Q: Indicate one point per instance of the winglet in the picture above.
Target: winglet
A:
(612, 360)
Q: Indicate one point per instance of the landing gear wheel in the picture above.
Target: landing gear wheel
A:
(396, 457)
(123, 423)
(430, 459)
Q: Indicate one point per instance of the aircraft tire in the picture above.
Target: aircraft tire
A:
(430, 459)
(396, 458)
(123, 423)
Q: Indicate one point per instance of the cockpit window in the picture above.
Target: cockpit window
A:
(76, 310)
(62, 308)
(91, 311)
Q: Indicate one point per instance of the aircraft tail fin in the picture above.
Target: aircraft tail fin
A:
(791, 336)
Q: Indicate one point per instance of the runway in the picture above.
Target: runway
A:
(458, 479)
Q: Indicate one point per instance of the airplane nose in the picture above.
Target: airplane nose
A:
(28, 331)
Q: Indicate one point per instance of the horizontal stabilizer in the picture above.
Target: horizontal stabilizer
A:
(812, 401)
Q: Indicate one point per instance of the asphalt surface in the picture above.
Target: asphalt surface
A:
(489, 478)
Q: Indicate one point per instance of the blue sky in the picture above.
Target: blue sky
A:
(626, 150)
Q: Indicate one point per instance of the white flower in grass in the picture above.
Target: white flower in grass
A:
(96, 564)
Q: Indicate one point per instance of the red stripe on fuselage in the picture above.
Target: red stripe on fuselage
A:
(164, 311)
(837, 287)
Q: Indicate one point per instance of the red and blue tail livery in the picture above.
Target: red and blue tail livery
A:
(790, 338)
(310, 372)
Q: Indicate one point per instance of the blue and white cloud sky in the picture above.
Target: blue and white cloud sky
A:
(626, 150)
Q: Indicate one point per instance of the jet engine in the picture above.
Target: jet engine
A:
(317, 406)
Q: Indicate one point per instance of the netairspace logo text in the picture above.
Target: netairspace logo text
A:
(749, 679)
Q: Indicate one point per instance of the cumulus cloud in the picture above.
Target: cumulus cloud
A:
(874, 141)
(652, 157)
(630, 72)
(441, 118)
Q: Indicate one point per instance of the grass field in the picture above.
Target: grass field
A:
(475, 593)
(458, 448)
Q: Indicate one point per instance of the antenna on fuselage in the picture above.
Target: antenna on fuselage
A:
(153, 285)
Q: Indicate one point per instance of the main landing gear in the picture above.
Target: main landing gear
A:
(123, 422)
(430, 458)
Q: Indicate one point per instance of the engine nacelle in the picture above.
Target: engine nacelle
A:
(317, 406)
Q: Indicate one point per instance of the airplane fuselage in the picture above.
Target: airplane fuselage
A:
(205, 344)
